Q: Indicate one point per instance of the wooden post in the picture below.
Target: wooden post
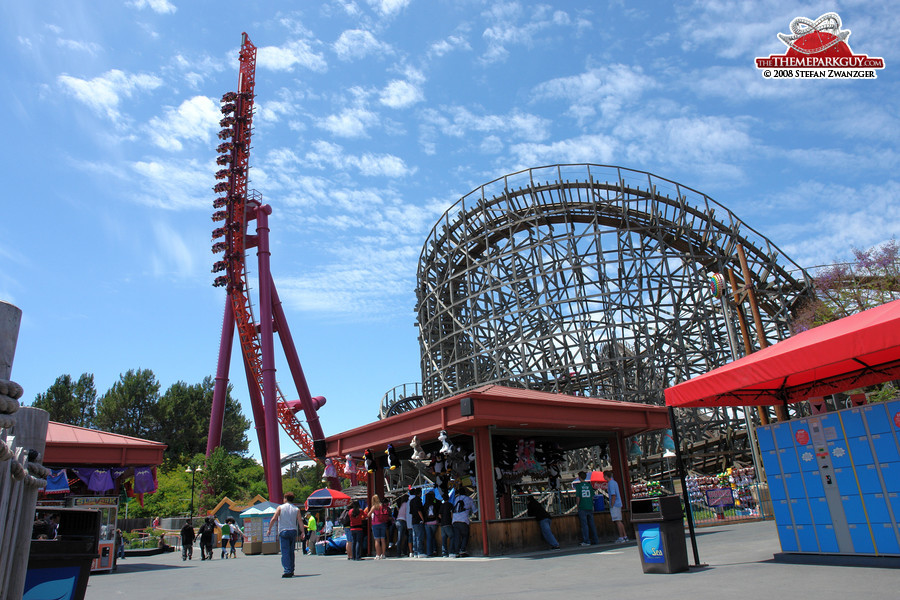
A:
(780, 411)
(484, 471)
(762, 411)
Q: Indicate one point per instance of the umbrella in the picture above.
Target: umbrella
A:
(327, 498)
(596, 477)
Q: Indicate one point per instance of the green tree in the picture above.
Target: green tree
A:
(70, 402)
(130, 405)
(183, 417)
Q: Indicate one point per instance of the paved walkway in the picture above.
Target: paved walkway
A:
(739, 557)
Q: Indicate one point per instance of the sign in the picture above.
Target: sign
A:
(818, 50)
(719, 497)
(650, 542)
(802, 437)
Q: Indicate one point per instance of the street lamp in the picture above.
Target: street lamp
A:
(667, 455)
(193, 470)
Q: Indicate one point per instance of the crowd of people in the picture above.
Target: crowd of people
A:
(231, 535)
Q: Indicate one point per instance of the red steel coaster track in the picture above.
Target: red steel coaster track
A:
(237, 208)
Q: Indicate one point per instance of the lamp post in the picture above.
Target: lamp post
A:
(667, 455)
(193, 471)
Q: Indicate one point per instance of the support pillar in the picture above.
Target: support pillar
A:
(217, 415)
(484, 471)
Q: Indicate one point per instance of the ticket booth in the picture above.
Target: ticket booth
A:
(108, 507)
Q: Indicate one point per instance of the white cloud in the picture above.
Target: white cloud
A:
(457, 121)
(351, 123)
(327, 155)
(284, 58)
(354, 44)
(583, 149)
(163, 7)
(91, 48)
(102, 94)
(513, 27)
(401, 94)
(608, 89)
(388, 8)
(445, 46)
(195, 119)
(173, 185)
(172, 256)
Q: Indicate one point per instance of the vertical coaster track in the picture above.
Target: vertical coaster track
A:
(237, 208)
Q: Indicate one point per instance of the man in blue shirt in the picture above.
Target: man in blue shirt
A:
(615, 505)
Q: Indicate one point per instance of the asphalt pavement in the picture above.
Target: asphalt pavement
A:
(738, 563)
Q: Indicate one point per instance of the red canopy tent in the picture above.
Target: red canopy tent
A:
(859, 350)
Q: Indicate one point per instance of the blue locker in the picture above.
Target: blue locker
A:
(776, 487)
(846, 481)
(893, 499)
(765, 439)
(853, 509)
(869, 483)
(876, 508)
(890, 472)
(893, 415)
(813, 482)
(800, 510)
(831, 427)
(862, 538)
(787, 538)
(853, 422)
(806, 538)
(770, 462)
(827, 539)
(885, 538)
(788, 459)
(876, 418)
(860, 450)
(821, 514)
(840, 456)
(782, 511)
(784, 438)
(886, 449)
(793, 485)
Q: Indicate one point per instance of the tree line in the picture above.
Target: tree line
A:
(133, 406)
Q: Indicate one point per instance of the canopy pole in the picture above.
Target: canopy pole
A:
(676, 438)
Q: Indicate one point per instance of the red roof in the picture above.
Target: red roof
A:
(504, 408)
(856, 351)
(68, 445)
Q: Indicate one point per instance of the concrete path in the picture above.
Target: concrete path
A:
(739, 557)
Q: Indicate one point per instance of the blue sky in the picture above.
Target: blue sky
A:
(374, 116)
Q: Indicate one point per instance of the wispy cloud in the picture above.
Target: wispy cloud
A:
(195, 119)
(350, 123)
(163, 7)
(172, 184)
(354, 44)
(102, 94)
(606, 89)
(513, 25)
(172, 256)
(286, 57)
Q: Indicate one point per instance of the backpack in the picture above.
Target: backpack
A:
(345, 518)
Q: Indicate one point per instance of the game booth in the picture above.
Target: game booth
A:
(513, 441)
(89, 469)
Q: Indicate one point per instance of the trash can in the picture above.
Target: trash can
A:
(60, 568)
(659, 523)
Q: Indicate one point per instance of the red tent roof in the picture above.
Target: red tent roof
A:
(68, 445)
(859, 350)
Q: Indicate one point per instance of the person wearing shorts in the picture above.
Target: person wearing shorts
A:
(379, 515)
(615, 505)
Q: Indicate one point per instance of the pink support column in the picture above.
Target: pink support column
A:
(267, 344)
(293, 360)
(217, 414)
(484, 471)
(259, 411)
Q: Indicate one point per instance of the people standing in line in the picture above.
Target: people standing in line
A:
(540, 514)
(448, 534)
(357, 523)
(344, 520)
(289, 524)
(417, 512)
(207, 533)
(615, 505)
(584, 492)
(402, 545)
(312, 532)
(432, 519)
(187, 541)
(237, 534)
(380, 516)
(463, 507)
